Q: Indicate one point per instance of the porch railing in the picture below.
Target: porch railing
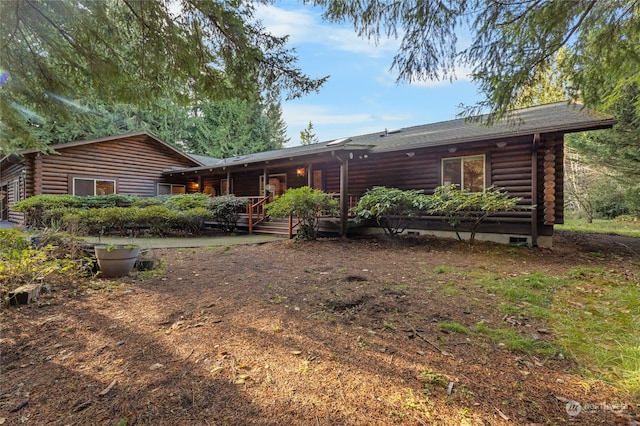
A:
(292, 224)
(352, 201)
(256, 211)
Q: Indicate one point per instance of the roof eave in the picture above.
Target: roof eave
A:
(281, 156)
(600, 125)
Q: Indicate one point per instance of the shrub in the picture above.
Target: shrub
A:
(158, 220)
(36, 207)
(305, 203)
(21, 263)
(193, 220)
(47, 211)
(226, 210)
(186, 201)
(608, 200)
(393, 209)
(12, 239)
(469, 210)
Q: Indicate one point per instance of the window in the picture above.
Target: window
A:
(171, 189)
(223, 187)
(466, 172)
(88, 186)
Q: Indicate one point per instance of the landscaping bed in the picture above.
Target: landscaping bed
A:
(332, 332)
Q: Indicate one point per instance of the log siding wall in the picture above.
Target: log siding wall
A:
(509, 168)
(10, 176)
(135, 163)
(550, 143)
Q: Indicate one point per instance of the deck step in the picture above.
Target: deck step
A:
(276, 226)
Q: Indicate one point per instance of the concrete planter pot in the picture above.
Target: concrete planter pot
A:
(116, 260)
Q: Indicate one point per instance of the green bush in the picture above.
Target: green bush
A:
(12, 239)
(226, 210)
(158, 220)
(35, 208)
(468, 210)
(186, 201)
(393, 209)
(192, 220)
(147, 201)
(305, 203)
(632, 200)
(47, 211)
(608, 200)
(20, 263)
(123, 215)
(627, 219)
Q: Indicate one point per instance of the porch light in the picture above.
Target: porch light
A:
(301, 172)
(501, 144)
(452, 149)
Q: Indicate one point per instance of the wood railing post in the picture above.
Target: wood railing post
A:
(250, 209)
(290, 226)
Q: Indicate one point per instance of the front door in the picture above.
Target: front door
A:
(318, 180)
(277, 184)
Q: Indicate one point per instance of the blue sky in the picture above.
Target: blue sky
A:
(361, 96)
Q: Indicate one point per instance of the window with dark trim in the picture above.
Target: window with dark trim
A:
(171, 189)
(223, 187)
(90, 186)
(466, 172)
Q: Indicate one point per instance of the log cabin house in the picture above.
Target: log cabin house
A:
(126, 164)
(522, 154)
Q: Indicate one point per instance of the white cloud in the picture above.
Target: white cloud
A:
(460, 73)
(328, 123)
(299, 116)
(387, 78)
(302, 27)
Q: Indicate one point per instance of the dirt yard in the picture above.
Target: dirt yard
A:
(319, 333)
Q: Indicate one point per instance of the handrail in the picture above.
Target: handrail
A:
(293, 225)
(260, 210)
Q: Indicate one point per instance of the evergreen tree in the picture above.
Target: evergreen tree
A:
(510, 42)
(307, 137)
(279, 127)
(133, 52)
(232, 127)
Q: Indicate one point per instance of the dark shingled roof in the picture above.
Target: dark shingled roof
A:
(556, 117)
(207, 161)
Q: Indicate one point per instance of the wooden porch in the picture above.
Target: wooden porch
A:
(255, 220)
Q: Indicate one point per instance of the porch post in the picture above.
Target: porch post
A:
(265, 180)
(310, 175)
(344, 195)
(228, 182)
